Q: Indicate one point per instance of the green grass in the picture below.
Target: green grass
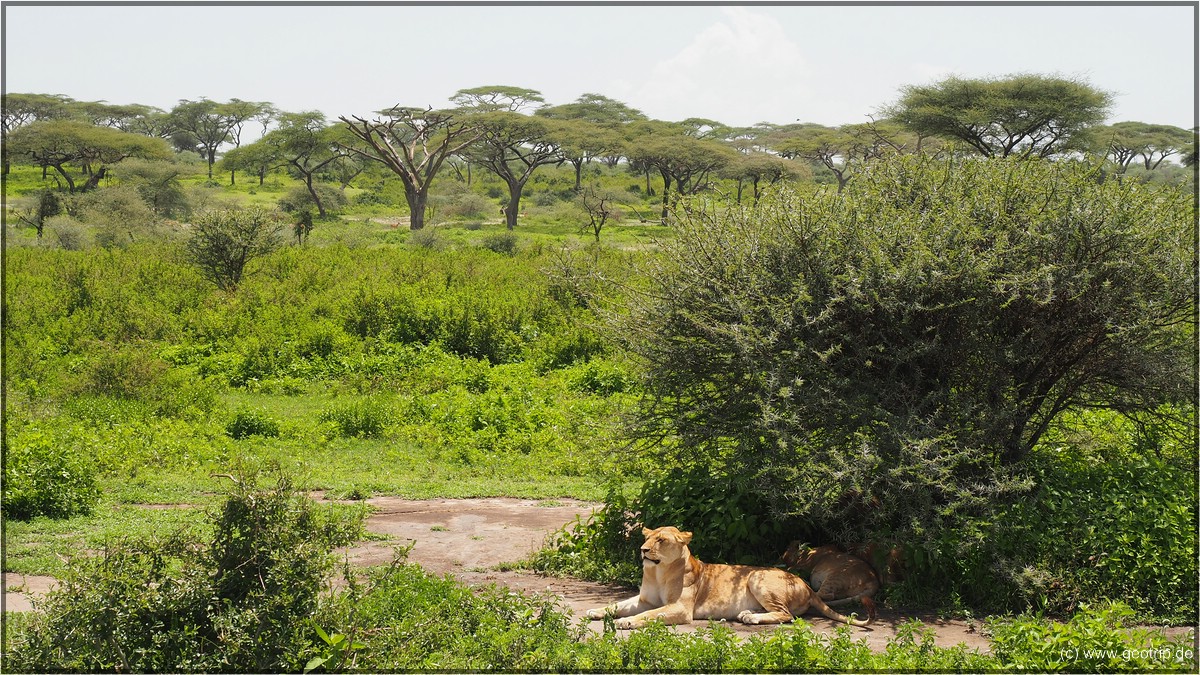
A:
(46, 546)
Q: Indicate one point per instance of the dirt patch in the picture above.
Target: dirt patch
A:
(471, 538)
(22, 590)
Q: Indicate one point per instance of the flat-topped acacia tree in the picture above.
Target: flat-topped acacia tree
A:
(413, 143)
(513, 146)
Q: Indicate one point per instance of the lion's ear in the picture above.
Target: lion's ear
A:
(646, 532)
(685, 537)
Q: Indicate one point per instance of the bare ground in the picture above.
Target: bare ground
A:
(472, 539)
(476, 540)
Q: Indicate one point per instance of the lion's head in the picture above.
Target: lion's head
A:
(801, 556)
(664, 545)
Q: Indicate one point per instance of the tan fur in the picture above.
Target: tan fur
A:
(677, 588)
(836, 577)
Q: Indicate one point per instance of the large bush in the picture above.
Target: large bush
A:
(46, 475)
(223, 241)
(880, 362)
(238, 603)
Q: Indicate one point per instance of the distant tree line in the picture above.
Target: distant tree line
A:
(511, 132)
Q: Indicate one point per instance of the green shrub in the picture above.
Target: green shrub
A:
(46, 475)
(602, 378)
(729, 523)
(364, 418)
(1099, 640)
(1126, 507)
(504, 243)
(427, 238)
(238, 603)
(298, 199)
(246, 423)
(568, 345)
(121, 373)
(597, 548)
(879, 362)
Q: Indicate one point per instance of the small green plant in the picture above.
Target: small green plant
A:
(239, 602)
(427, 238)
(504, 243)
(246, 423)
(339, 651)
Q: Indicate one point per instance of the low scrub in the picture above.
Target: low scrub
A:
(46, 475)
(234, 603)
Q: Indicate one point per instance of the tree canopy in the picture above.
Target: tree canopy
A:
(58, 143)
(1024, 115)
(879, 358)
(413, 143)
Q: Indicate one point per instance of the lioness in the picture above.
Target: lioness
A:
(836, 577)
(677, 588)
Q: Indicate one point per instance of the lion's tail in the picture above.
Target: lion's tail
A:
(828, 611)
(865, 598)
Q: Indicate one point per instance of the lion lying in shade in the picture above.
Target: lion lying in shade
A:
(677, 588)
(837, 577)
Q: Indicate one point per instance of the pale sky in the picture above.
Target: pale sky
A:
(738, 64)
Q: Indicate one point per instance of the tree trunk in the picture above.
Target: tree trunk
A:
(416, 207)
(94, 180)
(308, 183)
(666, 205)
(515, 188)
(578, 164)
(66, 176)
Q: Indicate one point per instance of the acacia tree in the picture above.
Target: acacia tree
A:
(1022, 115)
(257, 158)
(600, 205)
(60, 144)
(413, 143)
(37, 209)
(681, 160)
(762, 169)
(497, 98)
(513, 146)
(22, 109)
(880, 360)
(1124, 142)
(307, 146)
(594, 130)
(582, 141)
(204, 125)
(842, 150)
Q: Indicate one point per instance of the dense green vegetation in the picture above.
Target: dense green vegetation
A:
(832, 360)
(248, 598)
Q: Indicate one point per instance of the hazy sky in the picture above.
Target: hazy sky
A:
(739, 64)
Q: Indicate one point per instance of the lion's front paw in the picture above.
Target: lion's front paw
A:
(597, 613)
(626, 624)
(747, 616)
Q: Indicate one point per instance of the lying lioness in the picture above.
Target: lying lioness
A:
(837, 577)
(678, 588)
